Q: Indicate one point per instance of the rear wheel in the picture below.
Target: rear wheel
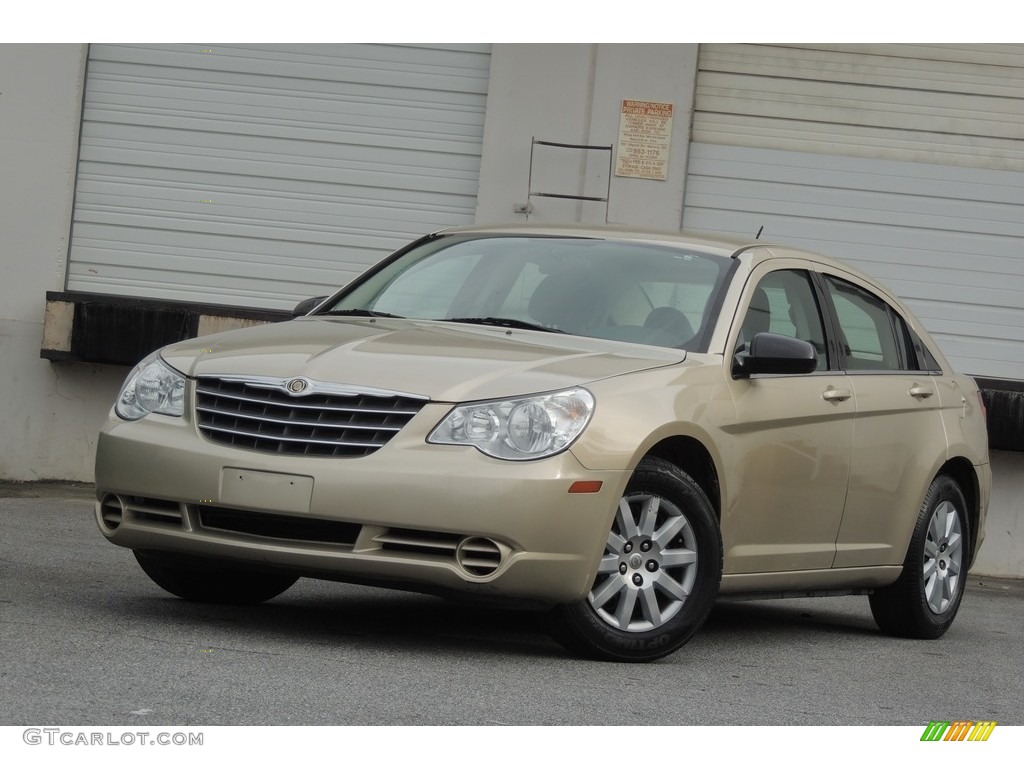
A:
(923, 602)
(210, 581)
(659, 575)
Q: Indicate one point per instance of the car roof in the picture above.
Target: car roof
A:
(721, 244)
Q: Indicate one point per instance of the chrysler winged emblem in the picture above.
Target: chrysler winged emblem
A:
(297, 386)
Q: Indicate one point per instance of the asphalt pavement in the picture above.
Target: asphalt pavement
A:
(86, 639)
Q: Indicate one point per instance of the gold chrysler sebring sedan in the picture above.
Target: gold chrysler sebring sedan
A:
(617, 427)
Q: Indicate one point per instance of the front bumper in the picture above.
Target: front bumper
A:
(411, 515)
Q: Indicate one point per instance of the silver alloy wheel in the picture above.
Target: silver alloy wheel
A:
(649, 565)
(943, 557)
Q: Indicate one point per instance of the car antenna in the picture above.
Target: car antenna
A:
(758, 235)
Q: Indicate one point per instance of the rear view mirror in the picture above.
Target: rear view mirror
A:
(774, 353)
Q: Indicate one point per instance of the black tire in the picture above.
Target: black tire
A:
(923, 602)
(647, 601)
(209, 581)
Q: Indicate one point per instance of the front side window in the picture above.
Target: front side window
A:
(784, 302)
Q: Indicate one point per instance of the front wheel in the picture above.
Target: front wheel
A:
(209, 581)
(923, 602)
(658, 577)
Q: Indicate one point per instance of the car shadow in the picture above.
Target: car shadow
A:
(847, 615)
(328, 614)
(377, 618)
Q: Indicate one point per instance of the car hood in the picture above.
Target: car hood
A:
(442, 361)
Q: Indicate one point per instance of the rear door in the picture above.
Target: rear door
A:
(898, 437)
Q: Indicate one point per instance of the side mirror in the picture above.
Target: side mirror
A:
(774, 353)
(305, 306)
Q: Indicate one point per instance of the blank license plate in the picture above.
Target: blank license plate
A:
(271, 491)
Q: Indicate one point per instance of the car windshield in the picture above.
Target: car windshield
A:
(611, 289)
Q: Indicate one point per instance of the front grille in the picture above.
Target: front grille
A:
(323, 420)
(279, 526)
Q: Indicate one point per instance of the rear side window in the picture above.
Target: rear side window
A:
(925, 359)
(872, 336)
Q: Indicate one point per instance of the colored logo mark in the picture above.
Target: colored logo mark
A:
(958, 730)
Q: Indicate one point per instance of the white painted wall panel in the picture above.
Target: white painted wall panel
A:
(946, 239)
(259, 175)
(944, 104)
(906, 160)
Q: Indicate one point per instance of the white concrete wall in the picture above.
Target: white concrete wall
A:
(49, 413)
(573, 94)
(1002, 553)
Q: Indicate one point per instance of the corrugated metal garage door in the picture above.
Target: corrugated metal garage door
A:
(259, 175)
(905, 160)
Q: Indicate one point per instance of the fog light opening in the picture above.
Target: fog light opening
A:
(478, 556)
(111, 512)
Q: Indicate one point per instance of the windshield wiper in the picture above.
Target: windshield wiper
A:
(357, 313)
(503, 322)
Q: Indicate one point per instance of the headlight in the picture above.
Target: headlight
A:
(520, 428)
(151, 387)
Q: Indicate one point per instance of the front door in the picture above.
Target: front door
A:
(786, 480)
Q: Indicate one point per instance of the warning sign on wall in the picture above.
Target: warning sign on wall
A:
(645, 133)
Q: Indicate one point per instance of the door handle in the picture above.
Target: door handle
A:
(834, 395)
(920, 392)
